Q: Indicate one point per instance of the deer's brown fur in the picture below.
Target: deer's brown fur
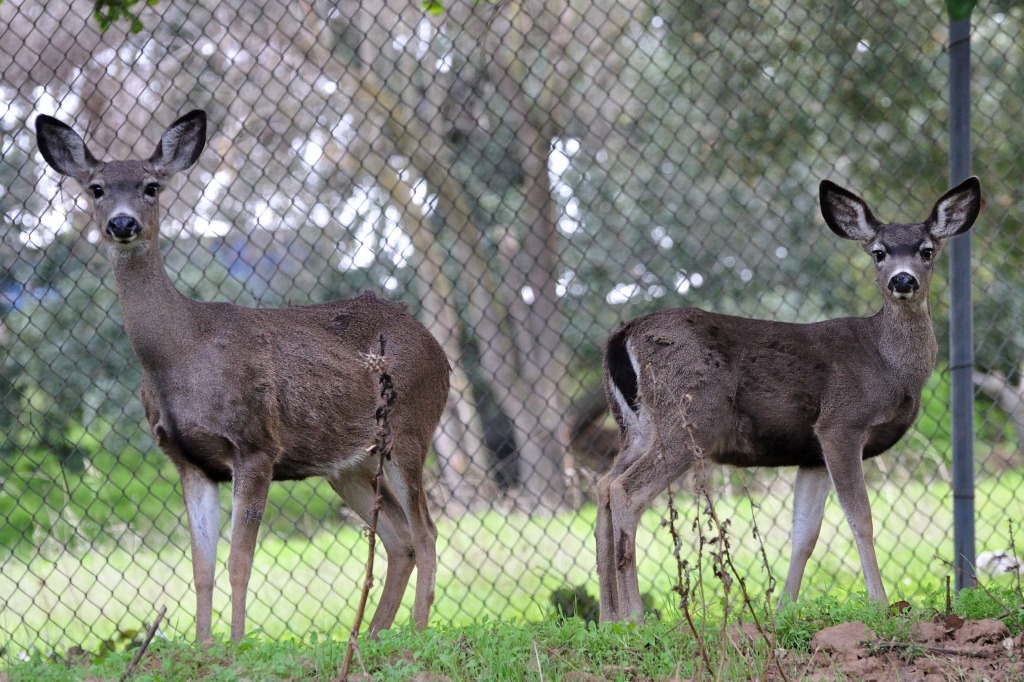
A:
(822, 397)
(252, 396)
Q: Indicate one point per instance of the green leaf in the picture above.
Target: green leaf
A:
(960, 9)
(433, 7)
(109, 12)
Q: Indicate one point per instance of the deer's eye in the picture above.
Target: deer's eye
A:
(878, 255)
(151, 189)
(927, 254)
(97, 191)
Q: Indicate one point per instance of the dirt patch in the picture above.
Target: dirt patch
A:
(846, 641)
(939, 651)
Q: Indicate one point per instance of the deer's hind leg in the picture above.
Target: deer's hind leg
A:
(628, 495)
(810, 492)
(634, 446)
(607, 581)
(405, 475)
(356, 488)
(661, 451)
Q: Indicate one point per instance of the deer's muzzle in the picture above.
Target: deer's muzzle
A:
(123, 228)
(903, 284)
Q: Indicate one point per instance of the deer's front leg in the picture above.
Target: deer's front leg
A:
(809, 496)
(251, 482)
(843, 456)
(202, 505)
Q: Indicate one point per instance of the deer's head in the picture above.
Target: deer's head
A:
(124, 193)
(904, 254)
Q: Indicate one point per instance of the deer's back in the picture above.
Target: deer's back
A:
(293, 381)
(753, 392)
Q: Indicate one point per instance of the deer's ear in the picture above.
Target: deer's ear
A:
(956, 210)
(63, 148)
(846, 214)
(182, 143)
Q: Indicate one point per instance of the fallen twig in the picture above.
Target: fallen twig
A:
(936, 650)
(145, 645)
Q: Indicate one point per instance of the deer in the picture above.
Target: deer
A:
(685, 383)
(254, 395)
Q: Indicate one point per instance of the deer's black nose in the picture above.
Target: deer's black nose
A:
(123, 228)
(903, 283)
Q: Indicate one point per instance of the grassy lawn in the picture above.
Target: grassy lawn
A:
(549, 650)
(500, 566)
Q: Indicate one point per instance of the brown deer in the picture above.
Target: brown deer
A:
(252, 396)
(822, 397)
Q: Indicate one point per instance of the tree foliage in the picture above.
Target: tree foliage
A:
(526, 175)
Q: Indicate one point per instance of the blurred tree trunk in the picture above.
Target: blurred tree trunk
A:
(532, 268)
(459, 427)
(380, 115)
(519, 353)
(520, 60)
(473, 101)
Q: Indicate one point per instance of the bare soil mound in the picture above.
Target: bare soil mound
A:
(949, 650)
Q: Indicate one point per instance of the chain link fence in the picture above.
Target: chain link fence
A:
(526, 176)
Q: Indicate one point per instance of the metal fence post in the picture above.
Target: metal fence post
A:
(961, 329)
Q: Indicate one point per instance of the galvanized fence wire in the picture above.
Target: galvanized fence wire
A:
(525, 176)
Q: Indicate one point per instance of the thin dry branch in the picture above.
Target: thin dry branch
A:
(382, 444)
(145, 645)
(979, 586)
(682, 586)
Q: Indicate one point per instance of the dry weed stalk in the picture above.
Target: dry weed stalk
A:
(1020, 569)
(1018, 593)
(382, 444)
(150, 632)
(722, 564)
(683, 570)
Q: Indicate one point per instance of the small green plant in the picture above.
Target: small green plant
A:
(575, 602)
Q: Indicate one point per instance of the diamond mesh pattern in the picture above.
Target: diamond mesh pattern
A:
(525, 176)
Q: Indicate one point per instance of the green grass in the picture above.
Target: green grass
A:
(497, 650)
(84, 555)
(485, 651)
(501, 566)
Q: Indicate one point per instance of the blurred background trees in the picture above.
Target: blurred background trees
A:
(524, 174)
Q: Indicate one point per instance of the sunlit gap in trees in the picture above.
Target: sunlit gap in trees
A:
(562, 152)
(37, 231)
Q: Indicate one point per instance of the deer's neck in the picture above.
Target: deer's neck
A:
(906, 338)
(155, 314)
